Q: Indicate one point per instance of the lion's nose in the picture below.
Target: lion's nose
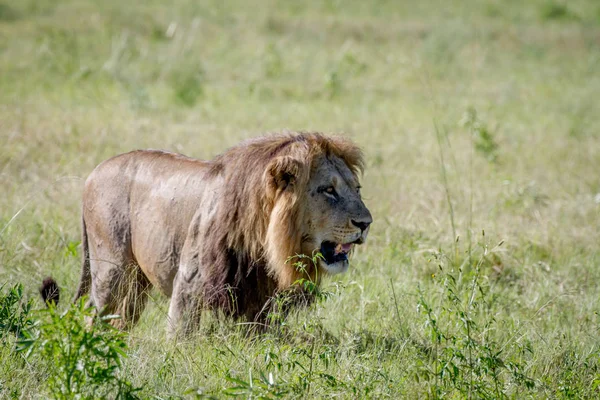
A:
(363, 225)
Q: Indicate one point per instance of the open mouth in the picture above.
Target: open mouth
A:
(335, 252)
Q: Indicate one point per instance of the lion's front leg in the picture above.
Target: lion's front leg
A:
(186, 303)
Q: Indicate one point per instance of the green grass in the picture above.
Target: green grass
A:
(475, 117)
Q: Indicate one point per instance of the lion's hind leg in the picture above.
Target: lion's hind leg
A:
(119, 288)
(131, 297)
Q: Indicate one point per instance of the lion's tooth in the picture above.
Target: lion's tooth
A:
(338, 248)
(342, 248)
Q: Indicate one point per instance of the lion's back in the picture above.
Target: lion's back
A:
(142, 203)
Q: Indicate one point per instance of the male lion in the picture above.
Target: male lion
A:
(219, 234)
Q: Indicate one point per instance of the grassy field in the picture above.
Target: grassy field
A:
(480, 127)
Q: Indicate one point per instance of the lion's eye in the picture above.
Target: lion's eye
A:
(358, 189)
(330, 191)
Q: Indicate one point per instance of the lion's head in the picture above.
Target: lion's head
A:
(335, 216)
(312, 203)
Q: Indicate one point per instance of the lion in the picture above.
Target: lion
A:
(220, 234)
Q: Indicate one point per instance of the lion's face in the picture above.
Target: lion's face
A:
(336, 217)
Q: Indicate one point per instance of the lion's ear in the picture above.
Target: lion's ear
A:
(283, 173)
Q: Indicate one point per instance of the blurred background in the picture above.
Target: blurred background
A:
(475, 116)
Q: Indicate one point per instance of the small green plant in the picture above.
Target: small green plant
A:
(308, 284)
(303, 291)
(82, 358)
(553, 10)
(71, 248)
(188, 87)
(483, 138)
(465, 358)
(15, 313)
(8, 13)
(333, 84)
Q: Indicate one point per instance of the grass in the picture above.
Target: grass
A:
(480, 117)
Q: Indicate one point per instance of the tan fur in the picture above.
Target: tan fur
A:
(220, 233)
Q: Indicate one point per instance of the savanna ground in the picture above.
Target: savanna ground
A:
(479, 123)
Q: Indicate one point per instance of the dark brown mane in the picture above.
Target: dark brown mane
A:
(239, 256)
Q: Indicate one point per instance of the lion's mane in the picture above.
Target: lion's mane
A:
(261, 220)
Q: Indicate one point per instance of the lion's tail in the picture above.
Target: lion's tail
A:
(51, 292)
(86, 275)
